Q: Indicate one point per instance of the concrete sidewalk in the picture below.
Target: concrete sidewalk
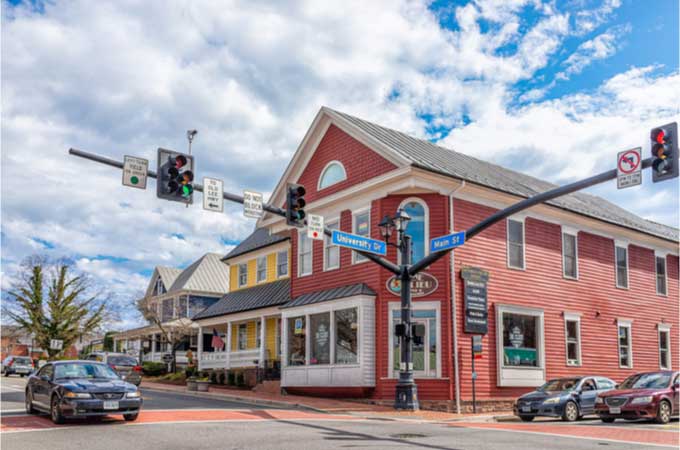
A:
(327, 405)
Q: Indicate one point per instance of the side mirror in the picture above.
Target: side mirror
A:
(676, 386)
(44, 378)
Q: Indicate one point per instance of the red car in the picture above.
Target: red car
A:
(652, 395)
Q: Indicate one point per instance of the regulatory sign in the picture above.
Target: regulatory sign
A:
(56, 344)
(134, 171)
(252, 204)
(212, 194)
(477, 346)
(629, 168)
(167, 358)
(356, 242)
(447, 242)
(475, 294)
(315, 227)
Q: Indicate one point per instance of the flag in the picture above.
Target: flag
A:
(217, 342)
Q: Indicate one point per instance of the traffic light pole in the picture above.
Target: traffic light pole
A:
(406, 391)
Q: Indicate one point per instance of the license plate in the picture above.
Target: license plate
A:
(526, 408)
(614, 410)
(110, 404)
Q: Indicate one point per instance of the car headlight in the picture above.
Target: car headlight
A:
(551, 401)
(70, 394)
(641, 400)
(599, 400)
(134, 394)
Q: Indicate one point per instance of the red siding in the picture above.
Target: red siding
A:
(542, 286)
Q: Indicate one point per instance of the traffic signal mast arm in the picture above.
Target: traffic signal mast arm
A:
(237, 199)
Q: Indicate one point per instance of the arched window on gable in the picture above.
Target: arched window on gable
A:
(334, 172)
(417, 227)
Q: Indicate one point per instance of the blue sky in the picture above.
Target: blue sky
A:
(518, 82)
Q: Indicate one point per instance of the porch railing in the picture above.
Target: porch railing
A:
(213, 360)
(244, 358)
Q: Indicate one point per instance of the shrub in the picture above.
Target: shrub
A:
(154, 369)
(220, 377)
(213, 377)
(231, 378)
(240, 379)
(191, 371)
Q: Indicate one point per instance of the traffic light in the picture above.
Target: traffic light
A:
(175, 176)
(295, 202)
(665, 152)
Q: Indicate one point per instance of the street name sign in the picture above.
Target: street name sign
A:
(629, 168)
(56, 344)
(447, 242)
(356, 242)
(252, 204)
(134, 171)
(475, 295)
(315, 227)
(212, 194)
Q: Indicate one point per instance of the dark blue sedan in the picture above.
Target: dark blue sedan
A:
(569, 398)
(81, 389)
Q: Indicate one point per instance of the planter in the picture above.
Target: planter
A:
(192, 385)
(202, 386)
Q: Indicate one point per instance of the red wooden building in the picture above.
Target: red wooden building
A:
(577, 286)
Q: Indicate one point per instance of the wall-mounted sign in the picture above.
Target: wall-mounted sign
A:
(298, 325)
(421, 285)
(475, 293)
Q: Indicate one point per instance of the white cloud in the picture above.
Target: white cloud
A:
(600, 47)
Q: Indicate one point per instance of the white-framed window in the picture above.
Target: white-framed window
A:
(426, 316)
(361, 225)
(282, 263)
(346, 331)
(664, 346)
(333, 173)
(242, 337)
(621, 261)
(320, 338)
(515, 244)
(661, 275)
(304, 254)
(297, 342)
(261, 269)
(572, 335)
(418, 227)
(625, 343)
(160, 287)
(331, 253)
(242, 274)
(570, 255)
(520, 339)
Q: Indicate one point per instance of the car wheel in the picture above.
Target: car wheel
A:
(22, 375)
(607, 419)
(6, 373)
(570, 413)
(29, 403)
(526, 418)
(130, 417)
(55, 411)
(663, 414)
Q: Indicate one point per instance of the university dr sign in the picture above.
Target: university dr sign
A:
(422, 284)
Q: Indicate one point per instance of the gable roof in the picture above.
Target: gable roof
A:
(167, 274)
(425, 155)
(259, 238)
(256, 297)
(207, 274)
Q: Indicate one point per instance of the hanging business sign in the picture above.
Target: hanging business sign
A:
(475, 293)
(422, 284)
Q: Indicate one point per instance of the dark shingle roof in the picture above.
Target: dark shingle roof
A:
(428, 156)
(330, 294)
(262, 296)
(257, 239)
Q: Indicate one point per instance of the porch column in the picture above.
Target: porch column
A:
(153, 347)
(227, 346)
(115, 344)
(263, 344)
(200, 345)
(140, 350)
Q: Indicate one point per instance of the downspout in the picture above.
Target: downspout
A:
(456, 369)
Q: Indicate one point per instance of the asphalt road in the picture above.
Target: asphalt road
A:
(173, 421)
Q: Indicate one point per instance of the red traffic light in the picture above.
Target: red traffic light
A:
(180, 161)
(659, 135)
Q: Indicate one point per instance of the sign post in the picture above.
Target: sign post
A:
(629, 168)
(134, 171)
(212, 194)
(476, 345)
(252, 204)
(315, 227)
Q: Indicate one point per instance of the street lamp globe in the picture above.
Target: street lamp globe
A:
(401, 220)
(386, 226)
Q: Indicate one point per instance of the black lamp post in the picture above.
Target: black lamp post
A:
(407, 392)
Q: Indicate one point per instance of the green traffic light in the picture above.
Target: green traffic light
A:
(187, 190)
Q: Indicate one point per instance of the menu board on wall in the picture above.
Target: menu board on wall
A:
(475, 293)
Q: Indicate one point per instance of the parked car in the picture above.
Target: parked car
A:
(19, 365)
(80, 389)
(651, 395)
(125, 365)
(569, 398)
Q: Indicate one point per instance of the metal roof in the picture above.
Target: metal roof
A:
(256, 297)
(330, 294)
(428, 156)
(207, 274)
(257, 239)
(168, 275)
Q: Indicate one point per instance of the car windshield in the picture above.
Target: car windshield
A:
(22, 360)
(83, 370)
(122, 361)
(647, 381)
(564, 384)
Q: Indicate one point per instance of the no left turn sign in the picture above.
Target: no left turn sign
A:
(629, 168)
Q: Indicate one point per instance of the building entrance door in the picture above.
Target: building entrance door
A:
(425, 354)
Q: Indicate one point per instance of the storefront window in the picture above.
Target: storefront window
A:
(346, 342)
(296, 341)
(520, 347)
(320, 326)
